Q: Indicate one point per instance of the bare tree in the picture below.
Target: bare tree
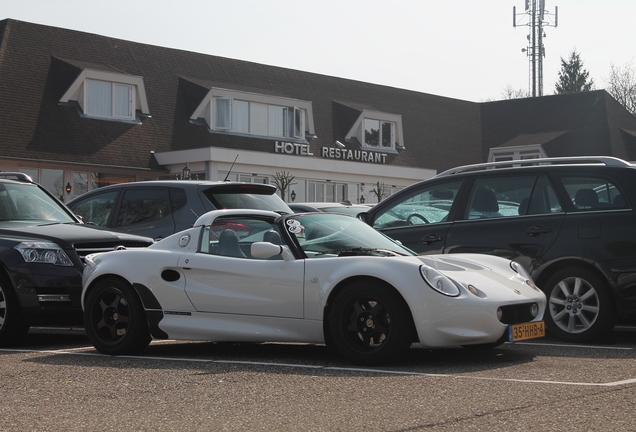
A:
(282, 180)
(380, 190)
(511, 93)
(621, 84)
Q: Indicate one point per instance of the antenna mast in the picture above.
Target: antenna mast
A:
(535, 17)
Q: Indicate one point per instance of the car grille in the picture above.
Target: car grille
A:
(84, 249)
(517, 314)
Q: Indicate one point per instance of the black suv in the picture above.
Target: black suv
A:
(160, 208)
(571, 222)
(42, 246)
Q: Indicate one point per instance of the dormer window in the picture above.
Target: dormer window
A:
(263, 116)
(108, 96)
(377, 131)
(107, 99)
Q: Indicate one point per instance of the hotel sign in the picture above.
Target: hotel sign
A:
(353, 155)
(330, 152)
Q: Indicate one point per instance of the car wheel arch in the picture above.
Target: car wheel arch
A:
(343, 284)
(545, 273)
(13, 320)
(151, 305)
(99, 279)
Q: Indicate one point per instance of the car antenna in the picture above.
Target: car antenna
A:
(232, 166)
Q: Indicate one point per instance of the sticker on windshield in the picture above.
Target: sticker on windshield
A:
(293, 222)
(296, 229)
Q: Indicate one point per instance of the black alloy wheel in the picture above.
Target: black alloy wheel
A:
(370, 323)
(114, 318)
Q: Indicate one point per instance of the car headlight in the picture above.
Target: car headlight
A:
(43, 252)
(439, 282)
(523, 274)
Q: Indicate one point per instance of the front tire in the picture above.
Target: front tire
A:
(12, 326)
(579, 305)
(114, 318)
(370, 324)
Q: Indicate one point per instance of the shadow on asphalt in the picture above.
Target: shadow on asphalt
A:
(217, 357)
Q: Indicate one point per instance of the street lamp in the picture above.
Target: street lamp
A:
(68, 188)
(186, 172)
(293, 195)
(362, 200)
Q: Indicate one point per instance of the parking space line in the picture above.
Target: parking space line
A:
(76, 351)
(571, 346)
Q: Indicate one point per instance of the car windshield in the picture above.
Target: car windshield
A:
(246, 196)
(27, 202)
(330, 234)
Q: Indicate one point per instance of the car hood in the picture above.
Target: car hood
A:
(68, 234)
(491, 274)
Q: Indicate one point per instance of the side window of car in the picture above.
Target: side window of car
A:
(96, 209)
(234, 237)
(589, 193)
(430, 204)
(511, 196)
(178, 199)
(143, 205)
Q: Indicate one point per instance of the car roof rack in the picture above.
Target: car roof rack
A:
(16, 176)
(602, 160)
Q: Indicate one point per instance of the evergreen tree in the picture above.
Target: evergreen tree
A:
(572, 77)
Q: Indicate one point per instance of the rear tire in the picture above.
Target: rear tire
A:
(114, 318)
(579, 305)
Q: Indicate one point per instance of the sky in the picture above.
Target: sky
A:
(463, 49)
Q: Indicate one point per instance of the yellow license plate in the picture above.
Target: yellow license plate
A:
(531, 330)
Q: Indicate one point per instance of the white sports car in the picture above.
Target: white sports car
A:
(257, 276)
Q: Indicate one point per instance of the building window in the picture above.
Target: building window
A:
(503, 154)
(276, 121)
(230, 111)
(241, 116)
(223, 117)
(107, 95)
(107, 99)
(377, 131)
(326, 191)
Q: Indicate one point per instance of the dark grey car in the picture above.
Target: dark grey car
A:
(571, 222)
(42, 250)
(160, 208)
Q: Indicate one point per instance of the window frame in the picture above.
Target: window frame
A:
(79, 92)
(113, 100)
(297, 115)
(533, 151)
(396, 140)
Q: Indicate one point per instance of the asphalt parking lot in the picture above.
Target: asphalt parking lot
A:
(57, 381)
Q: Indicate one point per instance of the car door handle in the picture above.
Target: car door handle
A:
(431, 238)
(537, 230)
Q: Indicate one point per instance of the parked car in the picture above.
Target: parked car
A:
(344, 207)
(257, 276)
(571, 222)
(158, 209)
(42, 247)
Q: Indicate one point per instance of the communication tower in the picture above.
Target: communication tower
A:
(536, 17)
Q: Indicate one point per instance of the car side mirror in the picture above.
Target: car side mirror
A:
(364, 217)
(267, 250)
